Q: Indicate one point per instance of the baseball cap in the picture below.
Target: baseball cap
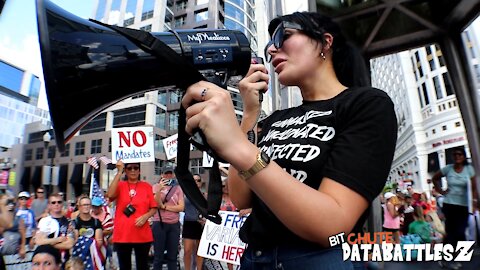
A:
(167, 169)
(24, 194)
(388, 195)
(96, 201)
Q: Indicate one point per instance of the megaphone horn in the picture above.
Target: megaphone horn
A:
(89, 67)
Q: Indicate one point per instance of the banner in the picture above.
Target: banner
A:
(11, 178)
(133, 144)
(222, 242)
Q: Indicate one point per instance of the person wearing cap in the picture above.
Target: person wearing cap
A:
(28, 217)
(99, 212)
(135, 204)
(391, 216)
(166, 222)
(46, 257)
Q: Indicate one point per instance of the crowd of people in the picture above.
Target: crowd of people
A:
(441, 217)
(101, 232)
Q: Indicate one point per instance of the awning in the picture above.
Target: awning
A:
(77, 174)
(62, 178)
(25, 180)
(36, 180)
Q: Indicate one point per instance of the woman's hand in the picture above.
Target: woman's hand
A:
(254, 82)
(120, 166)
(141, 220)
(214, 114)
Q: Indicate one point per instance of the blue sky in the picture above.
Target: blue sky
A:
(18, 33)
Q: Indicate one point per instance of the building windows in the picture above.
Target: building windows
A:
(438, 87)
(458, 124)
(180, 21)
(79, 148)
(181, 5)
(173, 120)
(201, 15)
(51, 151)
(96, 147)
(39, 153)
(434, 131)
(128, 22)
(66, 153)
(133, 116)
(448, 84)
(28, 154)
(147, 15)
(444, 127)
(146, 28)
(130, 12)
(425, 94)
(11, 77)
(97, 124)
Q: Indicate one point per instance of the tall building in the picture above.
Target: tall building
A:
(19, 91)
(429, 120)
(157, 108)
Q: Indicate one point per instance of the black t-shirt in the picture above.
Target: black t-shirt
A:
(87, 228)
(349, 138)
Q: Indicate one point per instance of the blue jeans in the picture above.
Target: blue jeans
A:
(296, 258)
(165, 237)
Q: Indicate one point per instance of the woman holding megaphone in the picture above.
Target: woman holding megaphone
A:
(318, 166)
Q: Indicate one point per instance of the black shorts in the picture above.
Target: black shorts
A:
(192, 230)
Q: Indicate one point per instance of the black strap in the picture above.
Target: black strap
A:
(186, 76)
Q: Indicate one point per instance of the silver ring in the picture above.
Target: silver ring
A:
(203, 94)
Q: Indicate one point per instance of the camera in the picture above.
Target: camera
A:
(129, 210)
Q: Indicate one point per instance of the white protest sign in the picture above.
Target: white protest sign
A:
(170, 145)
(222, 242)
(207, 161)
(133, 144)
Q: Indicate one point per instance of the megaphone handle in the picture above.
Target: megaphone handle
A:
(199, 140)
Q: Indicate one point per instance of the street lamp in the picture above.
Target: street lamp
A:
(46, 140)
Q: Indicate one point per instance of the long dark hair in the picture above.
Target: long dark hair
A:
(349, 64)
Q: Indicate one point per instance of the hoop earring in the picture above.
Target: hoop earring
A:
(323, 56)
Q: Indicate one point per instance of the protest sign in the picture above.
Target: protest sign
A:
(133, 144)
(221, 241)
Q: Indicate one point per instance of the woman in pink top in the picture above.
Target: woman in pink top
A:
(391, 222)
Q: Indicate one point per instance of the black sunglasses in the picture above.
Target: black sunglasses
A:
(132, 168)
(56, 202)
(278, 36)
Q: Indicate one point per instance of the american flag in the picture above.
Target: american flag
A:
(96, 191)
(93, 162)
(92, 256)
(105, 160)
